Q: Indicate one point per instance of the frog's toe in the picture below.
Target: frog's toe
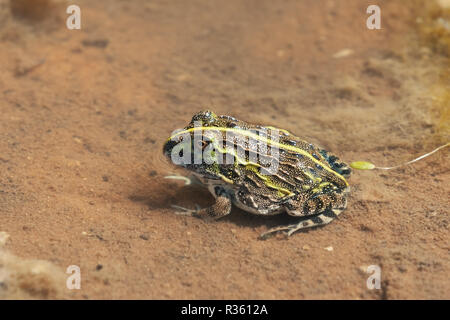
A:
(273, 231)
(187, 180)
(185, 211)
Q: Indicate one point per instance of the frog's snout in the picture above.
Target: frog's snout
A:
(168, 147)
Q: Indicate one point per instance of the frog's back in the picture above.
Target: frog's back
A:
(302, 170)
(313, 159)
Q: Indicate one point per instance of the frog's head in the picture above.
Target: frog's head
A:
(194, 147)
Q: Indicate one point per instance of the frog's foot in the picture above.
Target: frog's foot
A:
(314, 221)
(272, 231)
(185, 211)
(219, 209)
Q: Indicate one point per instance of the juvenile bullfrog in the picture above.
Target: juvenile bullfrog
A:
(260, 169)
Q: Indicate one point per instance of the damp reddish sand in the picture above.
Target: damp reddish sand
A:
(84, 114)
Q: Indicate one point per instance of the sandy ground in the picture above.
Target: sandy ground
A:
(84, 114)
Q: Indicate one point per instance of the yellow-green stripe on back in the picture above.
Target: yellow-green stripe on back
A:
(250, 134)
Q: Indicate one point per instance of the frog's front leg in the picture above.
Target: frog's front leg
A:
(219, 209)
(189, 180)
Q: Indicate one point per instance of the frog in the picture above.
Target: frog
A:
(263, 170)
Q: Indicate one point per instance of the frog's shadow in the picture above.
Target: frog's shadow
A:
(194, 195)
(245, 219)
(190, 196)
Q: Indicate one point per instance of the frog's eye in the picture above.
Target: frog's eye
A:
(180, 139)
(202, 144)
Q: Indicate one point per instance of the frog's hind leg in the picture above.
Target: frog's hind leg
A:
(317, 216)
(314, 221)
(336, 164)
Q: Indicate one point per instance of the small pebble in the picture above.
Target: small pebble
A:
(343, 53)
(330, 248)
(143, 237)
(3, 238)
(363, 269)
(99, 43)
(445, 4)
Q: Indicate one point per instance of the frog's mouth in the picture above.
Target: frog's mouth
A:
(168, 147)
(174, 151)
